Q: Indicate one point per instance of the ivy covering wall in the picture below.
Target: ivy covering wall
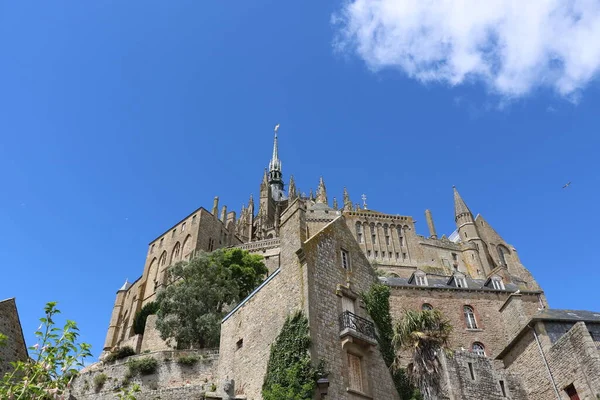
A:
(290, 372)
(377, 303)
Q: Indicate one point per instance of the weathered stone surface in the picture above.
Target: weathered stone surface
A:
(15, 349)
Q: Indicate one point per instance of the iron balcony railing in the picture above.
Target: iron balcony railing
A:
(358, 324)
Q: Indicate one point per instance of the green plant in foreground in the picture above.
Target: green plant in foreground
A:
(54, 362)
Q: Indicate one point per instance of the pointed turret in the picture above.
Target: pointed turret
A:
(460, 208)
(292, 189)
(126, 285)
(347, 201)
(251, 205)
(322, 192)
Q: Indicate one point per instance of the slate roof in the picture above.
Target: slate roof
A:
(567, 315)
(441, 282)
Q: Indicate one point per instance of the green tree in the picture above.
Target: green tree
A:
(290, 373)
(54, 362)
(425, 334)
(192, 306)
(377, 303)
(139, 322)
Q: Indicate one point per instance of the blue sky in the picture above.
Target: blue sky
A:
(119, 118)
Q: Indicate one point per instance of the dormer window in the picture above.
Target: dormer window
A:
(420, 278)
(496, 283)
(458, 280)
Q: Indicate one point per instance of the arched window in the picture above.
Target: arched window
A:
(176, 255)
(386, 233)
(400, 237)
(478, 349)
(502, 251)
(163, 259)
(426, 307)
(359, 232)
(470, 317)
(187, 247)
(373, 235)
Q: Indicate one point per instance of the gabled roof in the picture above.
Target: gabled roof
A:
(549, 314)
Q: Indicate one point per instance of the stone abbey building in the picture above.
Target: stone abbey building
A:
(321, 255)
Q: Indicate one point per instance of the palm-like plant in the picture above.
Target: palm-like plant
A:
(425, 334)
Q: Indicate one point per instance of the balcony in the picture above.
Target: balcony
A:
(357, 329)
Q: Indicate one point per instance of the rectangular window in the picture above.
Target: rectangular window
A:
(345, 260)
(401, 241)
(497, 284)
(373, 238)
(368, 253)
(239, 344)
(471, 371)
(454, 257)
(348, 304)
(360, 237)
(174, 231)
(376, 253)
(397, 255)
(421, 280)
(355, 380)
(390, 254)
(152, 249)
(161, 242)
(193, 219)
(403, 255)
(387, 240)
(460, 282)
(183, 227)
(502, 389)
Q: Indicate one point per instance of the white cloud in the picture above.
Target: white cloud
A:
(514, 46)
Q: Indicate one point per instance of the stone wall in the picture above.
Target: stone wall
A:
(472, 377)
(486, 304)
(171, 377)
(151, 340)
(15, 349)
(328, 282)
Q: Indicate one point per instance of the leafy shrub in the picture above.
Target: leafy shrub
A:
(143, 366)
(120, 353)
(139, 322)
(188, 360)
(99, 381)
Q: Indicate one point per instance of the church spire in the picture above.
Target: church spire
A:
(460, 208)
(321, 192)
(275, 176)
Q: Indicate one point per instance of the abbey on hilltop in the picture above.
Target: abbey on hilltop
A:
(321, 255)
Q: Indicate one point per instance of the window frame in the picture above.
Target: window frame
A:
(480, 351)
(345, 259)
(470, 317)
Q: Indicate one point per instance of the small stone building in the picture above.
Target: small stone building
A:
(10, 325)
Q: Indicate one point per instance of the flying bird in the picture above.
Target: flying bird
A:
(276, 128)
(567, 185)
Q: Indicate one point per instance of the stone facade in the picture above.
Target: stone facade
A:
(10, 325)
(321, 257)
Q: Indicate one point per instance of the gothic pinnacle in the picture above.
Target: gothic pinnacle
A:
(292, 189)
(322, 192)
(335, 204)
(347, 201)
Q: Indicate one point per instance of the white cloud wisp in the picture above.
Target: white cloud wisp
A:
(514, 46)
